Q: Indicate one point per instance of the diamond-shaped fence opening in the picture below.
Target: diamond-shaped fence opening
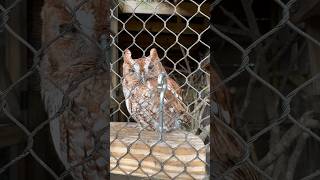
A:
(271, 41)
(165, 28)
(159, 88)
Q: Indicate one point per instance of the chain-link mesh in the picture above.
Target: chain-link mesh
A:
(162, 25)
(259, 41)
(100, 43)
(194, 99)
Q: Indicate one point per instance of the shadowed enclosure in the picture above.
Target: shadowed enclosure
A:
(241, 84)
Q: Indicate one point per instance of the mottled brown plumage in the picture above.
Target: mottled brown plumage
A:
(143, 97)
(72, 65)
(226, 149)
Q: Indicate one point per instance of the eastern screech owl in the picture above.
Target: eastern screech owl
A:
(71, 69)
(142, 95)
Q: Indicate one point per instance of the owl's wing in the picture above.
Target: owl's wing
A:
(226, 147)
(220, 105)
(74, 87)
(173, 96)
(174, 88)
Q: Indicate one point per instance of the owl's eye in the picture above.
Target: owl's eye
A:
(150, 66)
(131, 70)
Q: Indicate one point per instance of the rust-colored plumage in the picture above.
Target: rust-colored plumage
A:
(71, 66)
(142, 95)
(226, 149)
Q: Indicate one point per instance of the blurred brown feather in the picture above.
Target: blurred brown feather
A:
(226, 148)
(70, 68)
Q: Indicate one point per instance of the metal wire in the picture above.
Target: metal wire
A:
(106, 46)
(164, 20)
(162, 86)
(286, 100)
(37, 56)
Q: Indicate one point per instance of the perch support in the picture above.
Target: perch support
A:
(140, 7)
(141, 153)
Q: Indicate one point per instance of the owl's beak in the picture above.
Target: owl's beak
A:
(142, 78)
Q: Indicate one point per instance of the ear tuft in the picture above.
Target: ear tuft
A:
(127, 56)
(127, 52)
(154, 54)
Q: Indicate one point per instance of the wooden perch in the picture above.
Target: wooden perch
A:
(185, 9)
(129, 146)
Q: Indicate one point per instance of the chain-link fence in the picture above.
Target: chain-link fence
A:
(63, 25)
(168, 38)
(178, 31)
(288, 125)
(57, 94)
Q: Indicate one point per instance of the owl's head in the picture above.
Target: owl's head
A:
(144, 68)
(72, 37)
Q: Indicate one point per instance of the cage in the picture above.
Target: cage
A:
(177, 32)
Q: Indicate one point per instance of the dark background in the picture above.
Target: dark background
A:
(285, 60)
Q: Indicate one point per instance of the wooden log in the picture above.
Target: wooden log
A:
(186, 9)
(141, 154)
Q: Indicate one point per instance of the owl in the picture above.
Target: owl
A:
(142, 97)
(71, 68)
(225, 148)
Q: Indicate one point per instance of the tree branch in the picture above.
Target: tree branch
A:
(287, 139)
(295, 156)
(251, 18)
(234, 19)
